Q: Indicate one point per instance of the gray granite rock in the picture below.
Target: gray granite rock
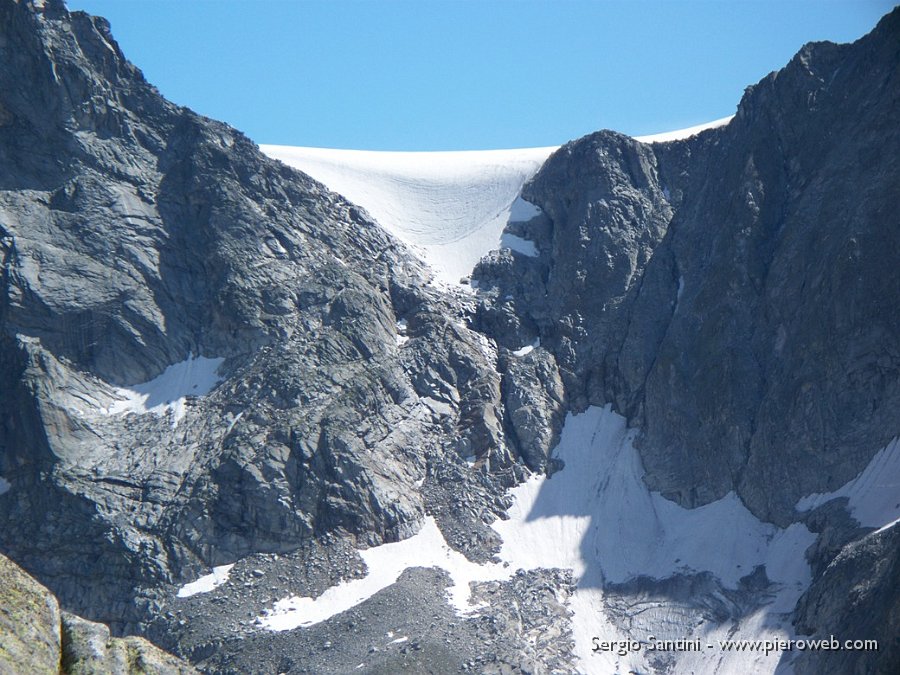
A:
(88, 649)
(856, 598)
(29, 623)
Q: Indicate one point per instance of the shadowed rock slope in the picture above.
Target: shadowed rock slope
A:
(734, 294)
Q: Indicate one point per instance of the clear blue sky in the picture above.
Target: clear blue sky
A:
(466, 74)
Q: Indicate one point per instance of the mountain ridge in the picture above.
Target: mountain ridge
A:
(341, 401)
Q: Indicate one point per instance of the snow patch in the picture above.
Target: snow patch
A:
(449, 207)
(206, 583)
(873, 497)
(522, 211)
(5, 486)
(401, 336)
(597, 517)
(527, 349)
(681, 134)
(518, 244)
(385, 564)
(167, 392)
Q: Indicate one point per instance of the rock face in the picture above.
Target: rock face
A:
(88, 649)
(201, 364)
(857, 597)
(35, 637)
(733, 294)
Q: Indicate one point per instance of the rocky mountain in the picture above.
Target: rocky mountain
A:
(241, 419)
(773, 370)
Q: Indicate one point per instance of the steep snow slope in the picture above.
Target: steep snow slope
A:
(450, 207)
(680, 134)
(598, 518)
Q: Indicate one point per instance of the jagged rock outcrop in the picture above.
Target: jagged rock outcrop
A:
(534, 398)
(36, 637)
(735, 295)
(29, 623)
(855, 599)
(88, 649)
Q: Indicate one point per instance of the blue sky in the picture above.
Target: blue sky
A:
(466, 74)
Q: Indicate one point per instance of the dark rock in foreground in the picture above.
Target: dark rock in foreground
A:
(35, 637)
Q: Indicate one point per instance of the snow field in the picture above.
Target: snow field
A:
(600, 502)
(681, 134)
(597, 518)
(449, 207)
(385, 564)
